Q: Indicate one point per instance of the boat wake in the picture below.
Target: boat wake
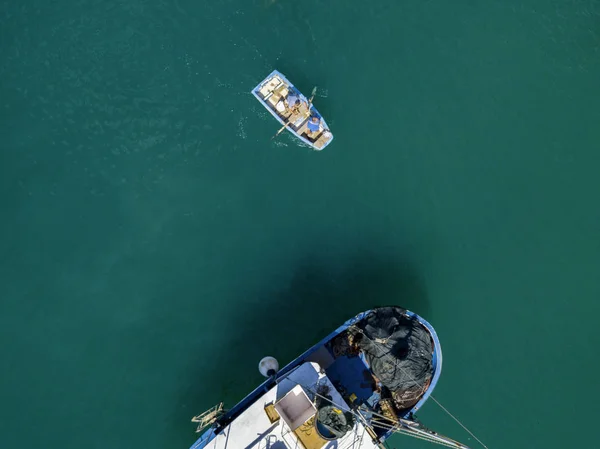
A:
(242, 127)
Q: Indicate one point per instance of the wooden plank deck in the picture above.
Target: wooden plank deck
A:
(322, 139)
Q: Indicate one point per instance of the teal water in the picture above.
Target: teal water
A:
(156, 243)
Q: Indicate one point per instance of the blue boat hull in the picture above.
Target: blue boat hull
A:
(282, 373)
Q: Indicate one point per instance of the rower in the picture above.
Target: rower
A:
(314, 124)
(293, 101)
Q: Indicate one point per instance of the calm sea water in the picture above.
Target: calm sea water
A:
(156, 243)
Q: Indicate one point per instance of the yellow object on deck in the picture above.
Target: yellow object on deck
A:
(309, 437)
(271, 413)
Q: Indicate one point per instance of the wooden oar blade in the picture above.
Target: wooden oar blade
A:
(280, 130)
(312, 96)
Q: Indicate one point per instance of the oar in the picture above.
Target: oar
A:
(312, 96)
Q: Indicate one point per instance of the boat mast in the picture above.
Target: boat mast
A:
(416, 430)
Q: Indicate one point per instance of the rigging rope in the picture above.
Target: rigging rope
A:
(418, 436)
(418, 432)
(413, 432)
(431, 396)
(458, 421)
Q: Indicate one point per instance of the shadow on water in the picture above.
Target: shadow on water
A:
(290, 318)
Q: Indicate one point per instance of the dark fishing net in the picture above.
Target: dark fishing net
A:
(399, 351)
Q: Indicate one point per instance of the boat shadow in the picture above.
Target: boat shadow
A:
(285, 320)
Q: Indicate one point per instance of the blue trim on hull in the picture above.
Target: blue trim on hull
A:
(207, 436)
(436, 361)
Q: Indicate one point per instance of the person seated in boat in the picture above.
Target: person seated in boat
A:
(314, 124)
(293, 101)
(281, 107)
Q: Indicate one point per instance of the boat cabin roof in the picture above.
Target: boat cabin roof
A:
(283, 418)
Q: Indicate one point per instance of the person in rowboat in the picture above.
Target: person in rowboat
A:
(314, 124)
(293, 101)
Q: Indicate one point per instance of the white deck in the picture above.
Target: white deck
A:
(253, 429)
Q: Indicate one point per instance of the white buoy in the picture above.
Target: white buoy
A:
(268, 366)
